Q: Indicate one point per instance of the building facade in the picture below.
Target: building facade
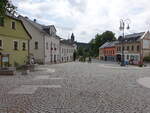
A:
(135, 47)
(107, 51)
(14, 42)
(44, 46)
(52, 47)
(66, 51)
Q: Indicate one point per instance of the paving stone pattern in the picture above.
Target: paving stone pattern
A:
(76, 88)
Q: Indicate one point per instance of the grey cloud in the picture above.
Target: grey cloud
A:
(80, 5)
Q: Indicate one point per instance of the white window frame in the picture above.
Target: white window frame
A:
(13, 44)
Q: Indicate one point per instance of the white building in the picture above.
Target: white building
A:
(67, 50)
(45, 44)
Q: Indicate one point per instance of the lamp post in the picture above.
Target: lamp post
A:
(124, 24)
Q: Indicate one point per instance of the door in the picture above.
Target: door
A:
(54, 58)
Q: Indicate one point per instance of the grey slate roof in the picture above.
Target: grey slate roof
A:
(135, 35)
(42, 28)
(67, 42)
(109, 44)
(132, 37)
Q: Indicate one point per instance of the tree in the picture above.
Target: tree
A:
(7, 6)
(99, 40)
(74, 55)
(80, 51)
(108, 36)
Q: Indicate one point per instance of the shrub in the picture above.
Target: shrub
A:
(147, 59)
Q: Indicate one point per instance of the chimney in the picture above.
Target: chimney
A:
(34, 20)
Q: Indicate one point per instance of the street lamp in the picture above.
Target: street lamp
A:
(124, 24)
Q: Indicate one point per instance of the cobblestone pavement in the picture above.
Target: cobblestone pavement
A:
(76, 88)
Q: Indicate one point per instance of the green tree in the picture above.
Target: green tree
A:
(74, 55)
(80, 51)
(108, 36)
(99, 40)
(7, 6)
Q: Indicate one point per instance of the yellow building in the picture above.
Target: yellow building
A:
(14, 42)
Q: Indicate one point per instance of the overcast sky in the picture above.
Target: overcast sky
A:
(86, 18)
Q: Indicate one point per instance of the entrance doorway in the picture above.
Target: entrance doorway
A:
(54, 58)
(118, 58)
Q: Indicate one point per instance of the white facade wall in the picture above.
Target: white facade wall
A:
(37, 36)
(52, 45)
(49, 49)
(66, 52)
(145, 42)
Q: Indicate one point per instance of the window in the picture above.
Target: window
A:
(132, 48)
(1, 44)
(127, 57)
(119, 48)
(113, 52)
(55, 47)
(16, 45)
(13, 25)
(36, 45)
(23, 46)
(51, 46)
(46, 45)
(128, 48)
(138, 48)
(1, 21)
(123, 48)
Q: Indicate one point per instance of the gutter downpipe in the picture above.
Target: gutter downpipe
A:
(44, 47)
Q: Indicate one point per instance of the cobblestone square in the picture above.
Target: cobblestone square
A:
(77, 88)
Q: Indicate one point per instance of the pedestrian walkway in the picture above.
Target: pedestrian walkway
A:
(78, 87)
